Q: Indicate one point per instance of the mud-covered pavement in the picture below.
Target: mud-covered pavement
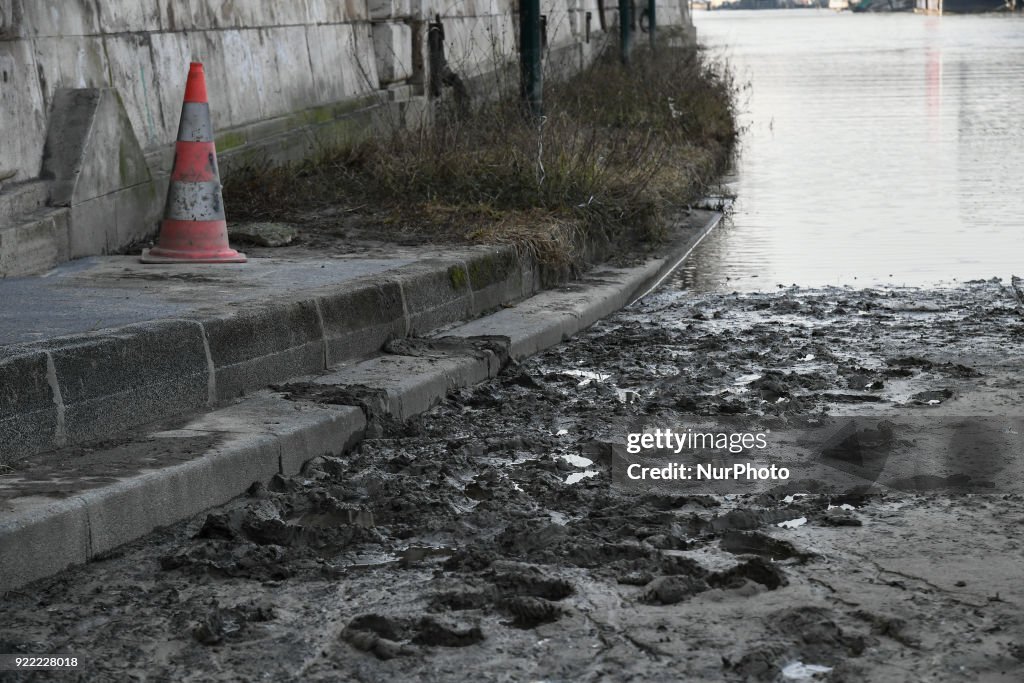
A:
(485, 541)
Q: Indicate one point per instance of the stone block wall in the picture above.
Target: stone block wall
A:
(283, 76)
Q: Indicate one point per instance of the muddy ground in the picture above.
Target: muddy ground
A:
(455, 548)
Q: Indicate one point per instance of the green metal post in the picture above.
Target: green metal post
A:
(625, 33)
(652, 22)
(530, 57)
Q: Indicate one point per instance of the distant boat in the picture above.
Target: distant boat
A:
(882, 6)
(960, 6)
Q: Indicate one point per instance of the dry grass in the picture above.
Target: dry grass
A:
(617, 151)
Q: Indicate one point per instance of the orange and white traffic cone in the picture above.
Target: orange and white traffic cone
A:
(194, 229)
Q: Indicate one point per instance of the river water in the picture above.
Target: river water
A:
(882, 148)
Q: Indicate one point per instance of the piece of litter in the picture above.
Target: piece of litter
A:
(627, 395)
(587, 376)
(793, 496)
(792, 523)
(576, 477)
(577, 460)
(844, 506)
(808, 357)
(798, 671)
(934, 402)
(561, 432)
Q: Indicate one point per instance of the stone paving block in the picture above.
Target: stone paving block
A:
(107, 381)
(28, 416)
(41, 539)
(255, 347)
(359, 319)
(436, 294)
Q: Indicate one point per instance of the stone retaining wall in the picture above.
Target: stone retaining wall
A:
(284, 77)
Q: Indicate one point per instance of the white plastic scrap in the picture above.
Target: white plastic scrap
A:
(798, 671)
(844, 506)
(793, 496)
(792, 523)
(577, 460)
(580, 476)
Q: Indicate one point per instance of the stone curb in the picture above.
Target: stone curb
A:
(224, 451)
(82, 387)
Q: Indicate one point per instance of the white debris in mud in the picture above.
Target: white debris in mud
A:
(576, 477)
(798, 671)
(844, 506)
(627, 396)
(793, 496)
(577, 460)
(809, 357)
(746, 379)
(587, 376)
(792, 523)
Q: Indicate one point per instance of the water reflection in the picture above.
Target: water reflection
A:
(881, 149)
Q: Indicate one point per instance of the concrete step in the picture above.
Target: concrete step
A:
(36, 243)
(199, 336)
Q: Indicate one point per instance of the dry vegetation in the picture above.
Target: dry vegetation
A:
(618, 151)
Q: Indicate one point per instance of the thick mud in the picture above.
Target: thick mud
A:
(485, 540)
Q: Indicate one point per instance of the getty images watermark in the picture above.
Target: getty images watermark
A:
(690, 440)
(912, 451)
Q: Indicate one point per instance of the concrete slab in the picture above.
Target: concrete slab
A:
(110, 291)
(129, 343)
(74, 504)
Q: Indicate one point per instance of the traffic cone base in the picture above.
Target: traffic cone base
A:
(170, 256)
(194, 229)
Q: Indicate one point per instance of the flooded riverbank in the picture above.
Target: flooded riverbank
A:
(880, 150)
(485, 540)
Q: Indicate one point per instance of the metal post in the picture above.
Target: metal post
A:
(625, 34)
(652, 22)
(530, 57)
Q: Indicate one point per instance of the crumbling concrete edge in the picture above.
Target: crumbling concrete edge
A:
(42, 539)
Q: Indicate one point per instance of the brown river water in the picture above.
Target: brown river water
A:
(881, 149)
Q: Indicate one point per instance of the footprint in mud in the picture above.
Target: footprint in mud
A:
(756, 569)
(219, 624)
(526, 580)
(933, 397)
(798, 635)
(390, 637)
(668, 590)
(756, 543)
(529, 611)
(816, 635)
